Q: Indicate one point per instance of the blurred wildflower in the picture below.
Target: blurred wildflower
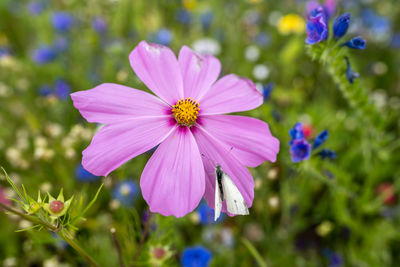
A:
(197, 256)
(254, 232)
(206, 215)
(184, 17)
(62, 89)
(164, 36)
(261, 72)
(327, 154)
(36, 7)
(189, 4)
(334, 259)
(387, 192)
(126, 192)
(206, 19)
(44, 54)
(159, 254)
(308, 130)
(266, 90)
(207, 46)
(317, 26)
(252, 53)
(61, 44)
(324, 228)
(291, 23)
(320, 139)
(328, 7)
(99, 25)
(341, 25)
(62, 21)
(137, 121)
(297, 131)
(356, 43)
(3, 197)
(263, 39)
(274, 203)
(4, 51)
(350, 74)
(218, 237)
(83, 175)
(379, 26)
(300, 150)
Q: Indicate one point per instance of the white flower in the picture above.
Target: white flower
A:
(207, 46)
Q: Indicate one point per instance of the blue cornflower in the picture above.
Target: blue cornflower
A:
(356, 43)
(206, 214)
(44, 54)
(126, 192)
(83, 175)
(300, 150)
(317, 27)
(197, 256)
(350, 74)
(99, 25)
(327, 154)
(62, 21)
(341, 25)
(36, 7)
(267, 89)
(184, 16)
(206, 19)
(62, 89)
(164, 36)
(320, 139)
(297, 131)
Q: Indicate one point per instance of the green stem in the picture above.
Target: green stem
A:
(254, 253)
(59, 231)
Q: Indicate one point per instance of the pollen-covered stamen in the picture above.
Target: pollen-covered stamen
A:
(185, 111)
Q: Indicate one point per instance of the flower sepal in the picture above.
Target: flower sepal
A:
(57, 207)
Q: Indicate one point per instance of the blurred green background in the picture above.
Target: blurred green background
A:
(320, 212)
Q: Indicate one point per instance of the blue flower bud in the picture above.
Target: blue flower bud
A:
(62, 21)
(356, 43)
(297, 131)
(321, 138)
(44, 54)
(350, 74)
(327, 154)
(341, 25)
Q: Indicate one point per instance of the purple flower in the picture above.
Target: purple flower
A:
(356, 43)
(297, 131)
(36, 7)
(317, 27)
(184, 16)
(300, 150)
(62, 21)
(320, 139)
(341, 25)
(45, 90)
(197, 256)
(164, 36)
(83, 175)
(350, 74)
(61, 44)
(44, 54)
(4, 51)
(62, 89)
(99, 25)
(267, 89)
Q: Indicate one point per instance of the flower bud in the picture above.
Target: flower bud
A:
(341, 25)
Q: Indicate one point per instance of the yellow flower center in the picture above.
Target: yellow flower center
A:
(185, 111)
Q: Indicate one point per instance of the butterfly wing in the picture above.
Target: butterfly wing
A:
(235, 202)
(218, 201)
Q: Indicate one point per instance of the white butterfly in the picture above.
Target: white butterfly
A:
(226, 189)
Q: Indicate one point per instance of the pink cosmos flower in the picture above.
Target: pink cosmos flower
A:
(184, 119)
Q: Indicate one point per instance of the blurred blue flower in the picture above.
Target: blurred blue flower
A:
(45, 90)
(62, 89)
(327, 154)
(341, 25)
(395, 42)
(356, 43)
(297, 131)
(83, 175)
(61, 44)
(197, 256)
(126, 192)
(335, 260)
(206, 19)
(99, 25)
(317, 26)
(62, 21)
(320, 139)
(206, 214)
(267, 89)
(4, 51)
(350, 74)
(300, 150)
(377, 24)
(184, 16)
(164, 36)
(263, 39)
(36, 7)
(44, 54)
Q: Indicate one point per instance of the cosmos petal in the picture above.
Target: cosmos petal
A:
(198, 72)
(250, 139)
(217, 153)
(173, 180)
(229, 94)
(110, 103)
(156, 65)
(117, 143)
